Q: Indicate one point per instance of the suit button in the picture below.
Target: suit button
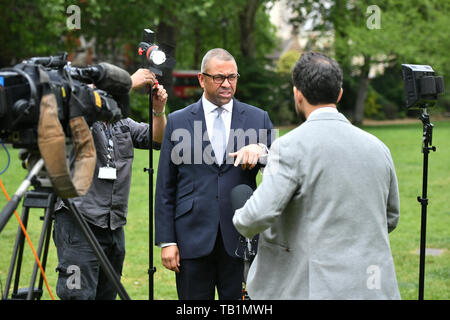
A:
(220, 174)
(217, 197)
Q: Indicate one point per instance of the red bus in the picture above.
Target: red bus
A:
(185, 84)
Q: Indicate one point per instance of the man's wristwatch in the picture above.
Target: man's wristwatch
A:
(159, 114)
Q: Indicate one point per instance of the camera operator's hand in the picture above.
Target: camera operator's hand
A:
(141, 78)
(170, 257)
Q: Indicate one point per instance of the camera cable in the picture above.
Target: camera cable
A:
(8, 156)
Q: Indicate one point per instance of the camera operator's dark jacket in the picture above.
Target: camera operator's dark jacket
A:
(106, 202)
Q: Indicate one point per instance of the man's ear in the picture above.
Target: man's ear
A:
(340, 95)
(298, 95)
(201, 79)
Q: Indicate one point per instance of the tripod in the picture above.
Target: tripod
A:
(45, 198)
(426, 148)
(39, 198)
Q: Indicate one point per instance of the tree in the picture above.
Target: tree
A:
(191, 26)
(408, 32)
(247, 26)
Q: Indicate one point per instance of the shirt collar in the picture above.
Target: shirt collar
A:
(210, 107)
(324, 109)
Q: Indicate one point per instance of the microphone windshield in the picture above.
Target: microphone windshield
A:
(239, 196)
(113, 80)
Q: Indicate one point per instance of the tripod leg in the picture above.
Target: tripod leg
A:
(45, 226)
(102, 258)
(46, 246)
(16, 256)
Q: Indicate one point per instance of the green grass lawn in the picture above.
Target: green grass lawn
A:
(404, 142)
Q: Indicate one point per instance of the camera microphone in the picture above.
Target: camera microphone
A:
(105, 76)
(113, 79)
(58, 61)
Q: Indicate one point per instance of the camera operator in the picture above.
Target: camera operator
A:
(105, 205)
(328, 198)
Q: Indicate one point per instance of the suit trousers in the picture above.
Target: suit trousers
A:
(199, 277)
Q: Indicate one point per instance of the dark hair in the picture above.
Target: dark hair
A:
(318, 77)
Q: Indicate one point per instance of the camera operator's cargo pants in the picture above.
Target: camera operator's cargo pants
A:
(80, 276)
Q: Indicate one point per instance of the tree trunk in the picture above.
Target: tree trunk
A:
(167, 34)
(247, 28)
(361, 95)
(197, 44)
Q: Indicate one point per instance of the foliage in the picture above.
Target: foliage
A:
(287, 62)
(410, 32)
(266, 89)
(139, 105)
(372, 107)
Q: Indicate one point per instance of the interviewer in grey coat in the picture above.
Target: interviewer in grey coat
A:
(327, 201)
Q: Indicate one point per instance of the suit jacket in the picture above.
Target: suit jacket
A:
(192, 192)
(327, 201)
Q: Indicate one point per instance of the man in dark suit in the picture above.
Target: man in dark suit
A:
(202, 148)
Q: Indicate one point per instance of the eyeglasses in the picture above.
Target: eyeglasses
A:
(220, 78)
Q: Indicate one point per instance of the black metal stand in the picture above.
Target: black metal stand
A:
(426, 148)
(151, 268)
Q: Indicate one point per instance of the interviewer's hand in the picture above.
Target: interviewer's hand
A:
(170, 257)
(247, 156)
(141, 78)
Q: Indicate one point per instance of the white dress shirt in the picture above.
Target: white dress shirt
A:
(209, 110)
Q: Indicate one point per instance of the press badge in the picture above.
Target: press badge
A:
(107, 173)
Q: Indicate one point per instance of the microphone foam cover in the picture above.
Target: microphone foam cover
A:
(115, 80)
(239, 196)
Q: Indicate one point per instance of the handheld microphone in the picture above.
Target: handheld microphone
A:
(239, 196)
(246, 248)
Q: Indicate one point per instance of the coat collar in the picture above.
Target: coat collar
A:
(327, 116)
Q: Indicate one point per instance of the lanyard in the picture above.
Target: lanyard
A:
(109, 144)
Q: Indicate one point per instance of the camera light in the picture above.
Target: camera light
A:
(158, 57)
